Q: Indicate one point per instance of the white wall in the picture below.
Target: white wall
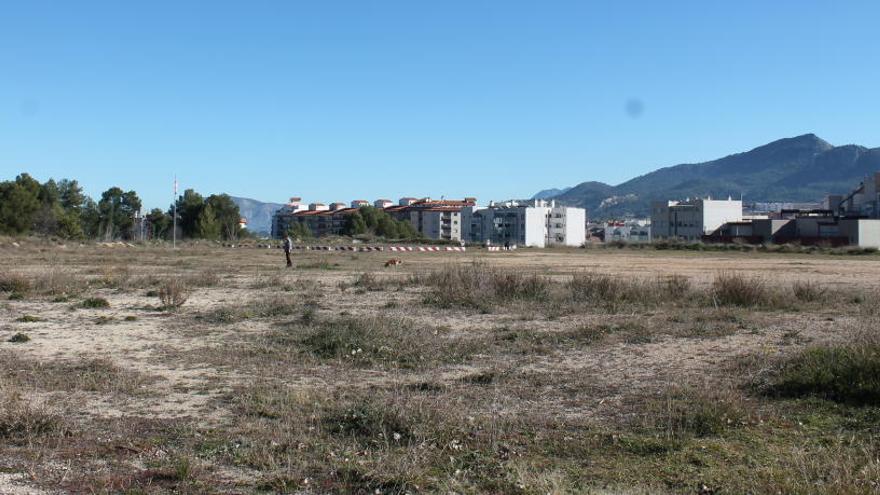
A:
(535, 220)
(717, 213)
(575, 226)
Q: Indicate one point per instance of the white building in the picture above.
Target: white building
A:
(627, 231)
(863, 201)
(692, 219)
(535, 223)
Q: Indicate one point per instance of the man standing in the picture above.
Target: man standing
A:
(288, 244)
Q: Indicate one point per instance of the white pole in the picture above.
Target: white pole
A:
(174, 228)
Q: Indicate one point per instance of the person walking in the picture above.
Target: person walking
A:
(287, 245)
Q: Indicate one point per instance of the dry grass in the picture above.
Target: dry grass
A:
(550, 372)
(173, 293)
(22, 422)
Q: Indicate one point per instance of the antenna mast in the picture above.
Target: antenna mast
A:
(174, 207)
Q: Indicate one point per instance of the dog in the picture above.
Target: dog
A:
(393, 262)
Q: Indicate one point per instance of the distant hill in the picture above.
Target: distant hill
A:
(258, 213)
(803, 168)
(549, 193)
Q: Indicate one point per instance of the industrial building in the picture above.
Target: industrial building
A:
(843, 220)
(861, 202)
(690, 220)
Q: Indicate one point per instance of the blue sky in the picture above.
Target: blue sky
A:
(336, 100)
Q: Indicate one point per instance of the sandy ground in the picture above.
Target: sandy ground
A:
(188, 387)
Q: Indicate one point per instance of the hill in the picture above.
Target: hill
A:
(258, 213)
(803, 168)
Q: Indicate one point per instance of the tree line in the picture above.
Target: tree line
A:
(367, 220)
(62, 209)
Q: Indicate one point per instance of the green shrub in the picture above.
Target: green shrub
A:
(844, 373)
(28, 319)
(95, 302)
(19, 338)
(684, 411)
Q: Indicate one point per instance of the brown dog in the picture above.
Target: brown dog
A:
(393, 262)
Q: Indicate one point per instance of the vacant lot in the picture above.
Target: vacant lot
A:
(217, 370)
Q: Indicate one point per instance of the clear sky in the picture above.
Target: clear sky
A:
(339, 100)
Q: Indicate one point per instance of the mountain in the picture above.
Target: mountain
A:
(258, 214)
(798, 169)
(549, 193)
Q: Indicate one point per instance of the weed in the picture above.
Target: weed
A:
(19, 338)
(807, 291)
(28, 319)
(734, 289)
(15, 283)
(844, 373)
(374, 341)
(685, 411)
(173, 294)
(21, 422)
(95, 302)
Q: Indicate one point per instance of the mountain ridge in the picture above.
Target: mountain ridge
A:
(800, 168)
(258, 213)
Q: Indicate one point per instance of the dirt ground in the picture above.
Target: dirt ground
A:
(149, 367)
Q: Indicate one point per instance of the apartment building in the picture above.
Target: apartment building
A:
(626, 231)
(534, 223)
(690, 220)
(434, 219)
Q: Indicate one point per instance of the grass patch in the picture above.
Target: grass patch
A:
(479, 286)
(683, 412)
(19, 338)
(28, 319)
(374, 342)
(847, 373)
(90, 375)
(95, 303)
(23, 423)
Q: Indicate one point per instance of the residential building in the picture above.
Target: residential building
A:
(626, 231)
(535, 223)
(690, 220)
(434, 219)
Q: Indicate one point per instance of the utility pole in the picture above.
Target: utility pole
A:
(174, 228)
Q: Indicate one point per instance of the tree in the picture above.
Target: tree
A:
(227, 214)
(117, 210)
(299, 231)
(160, 223)
(90, 218)
(19, 202)
(189, 208)
(355, 224)
(68, 224)
(207, 226)
(71, 195)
